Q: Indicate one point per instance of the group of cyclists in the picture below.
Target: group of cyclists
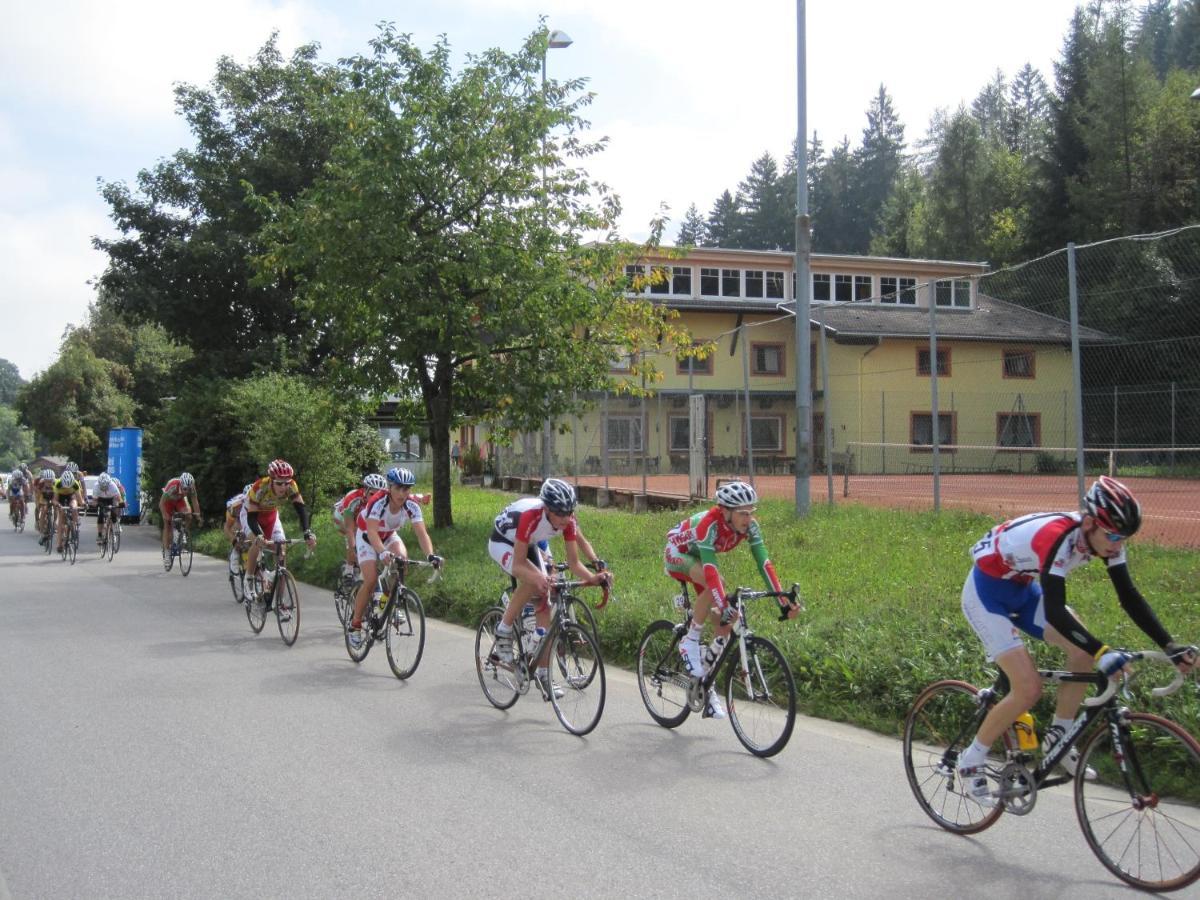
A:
(58, 500)
(1017, 581)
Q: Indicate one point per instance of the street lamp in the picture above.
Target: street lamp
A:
(557, 40)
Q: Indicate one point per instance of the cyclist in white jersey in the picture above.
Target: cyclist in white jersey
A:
(1018, 582)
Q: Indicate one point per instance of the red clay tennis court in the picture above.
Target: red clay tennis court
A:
(1170, 506)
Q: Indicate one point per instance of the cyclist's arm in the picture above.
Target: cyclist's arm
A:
(302, 513)
(758, 550)
(1136, 607)
(423, 538)
(195, 498)
(585, 546)
(1054, 597)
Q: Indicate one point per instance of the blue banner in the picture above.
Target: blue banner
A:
(125, 463)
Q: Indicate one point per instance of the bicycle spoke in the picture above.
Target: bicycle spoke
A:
(579, 674)
(1141, 813)
(405, 634)
(662, 680)
(256, 609)
(499, 680)
(761, 698)
(287, 607)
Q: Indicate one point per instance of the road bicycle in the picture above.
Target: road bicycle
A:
(40, 516)
(576, 668)
(110, 534)
(70, 546)
(48, 529)
(17, 515)
(1137, 780)
(181, 545)
(396, 616)
(757, 681)
(343, 594)
(237, 567)
(273, 587)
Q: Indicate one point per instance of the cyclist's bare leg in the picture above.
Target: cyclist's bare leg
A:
(166, 528)
(370, 577)
(347, 528)
(1070, 695)
(1026, 688)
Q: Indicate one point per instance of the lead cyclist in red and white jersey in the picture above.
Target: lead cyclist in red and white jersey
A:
(1019, 582)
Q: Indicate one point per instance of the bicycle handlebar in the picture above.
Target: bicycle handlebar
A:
(1139, 656)
(792, 595)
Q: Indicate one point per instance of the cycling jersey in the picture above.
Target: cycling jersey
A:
(64, 494)
(349, 505)
(377, 509)
(115, 492)
(262, 495)
(526, 520)
(699, 540)
(173, 490)
(234, 502)
(1024, 562)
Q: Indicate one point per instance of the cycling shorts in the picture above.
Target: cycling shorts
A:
(268, 524)
(996, 608)
(170, 507)
(366, 553)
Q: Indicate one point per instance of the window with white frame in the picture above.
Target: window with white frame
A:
(681, 280)
(862, 288)
(660, 280)
(622, 363)
(766, 434)
(680, 431)
(767, 359)
(710, 282)
(822, 286)
(775, 285)
(754, 283)
(953, 292)
(921, 429)
(893, 289)
(635, 279)
(843, 288)
(731, 282)
(624, 434)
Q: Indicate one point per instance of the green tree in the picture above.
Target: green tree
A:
(1028, 125)
(435, 259)
(766, 218)
(1153, 39)
(876, 166)
(16, 441)
(833, 208)
(1185, 37)
(187, 234)
(724, 225)
(902, 221)
(990, 108)
(11, 382)
(691, 229)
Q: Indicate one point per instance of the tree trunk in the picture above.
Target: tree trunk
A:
(438, 392)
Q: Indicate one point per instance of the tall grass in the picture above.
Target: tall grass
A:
(882, 589)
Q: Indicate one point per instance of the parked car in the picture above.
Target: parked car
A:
(89, 493)
(403, 455)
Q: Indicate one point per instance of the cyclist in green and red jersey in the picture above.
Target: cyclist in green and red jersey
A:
(691, 557)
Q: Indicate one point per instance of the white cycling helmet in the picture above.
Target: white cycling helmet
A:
(736, 494)
(104, 481)
(67, 480)
(186, 481)
(47, 475)
(375, 482)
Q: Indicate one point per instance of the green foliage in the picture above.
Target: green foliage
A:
(16, 441)
(11, 382)
(472, 461)
(691, 229)
(882, 589)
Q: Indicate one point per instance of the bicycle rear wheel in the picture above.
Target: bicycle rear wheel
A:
(287, 607)
(359, 653)
(1141, 816)
(762, 699)
(941, 724)
(498, 679)
(72, 545)
(343, 600)
(114, 542)
(256, 608)
(405, 634)
(581, 670)
(662, 678)
(185, 553)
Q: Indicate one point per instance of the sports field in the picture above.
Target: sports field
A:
(1170, 506)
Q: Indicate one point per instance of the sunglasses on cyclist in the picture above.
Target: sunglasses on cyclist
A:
(280, 482)
(1115, 538)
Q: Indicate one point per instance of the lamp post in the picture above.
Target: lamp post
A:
(557, 40)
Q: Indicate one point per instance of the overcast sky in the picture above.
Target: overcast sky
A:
(689, 94)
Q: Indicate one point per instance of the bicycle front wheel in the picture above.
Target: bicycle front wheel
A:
(114, 542)
(579, 675)
(185, 553)
(662, 678)
(498, 679)
(405, 634)
(761, 698)
(1141, 814)
(287, 607)
(941, 724)
(579, 613)
(256, 608)
(72, 545)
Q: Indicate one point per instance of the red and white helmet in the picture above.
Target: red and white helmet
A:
(280, 468)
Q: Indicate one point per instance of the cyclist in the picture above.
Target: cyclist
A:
(691, 557)
(18, 488)
(43, 492)
(1018, 581)
(233, 515)
(261, 511)
(178, 495)
(66, 495)
(514, 544)
(345, 515)
(377, 541)
(110, 497)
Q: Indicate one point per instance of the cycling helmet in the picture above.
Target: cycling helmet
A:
(401, 477)
(280, 468)
(1112, 506)
(558, 496)
(248, 488)
(735, 494)
(186, 481)
(71, 467)
(47, 475)
(67, 480)
(375, 482)
(104, 482)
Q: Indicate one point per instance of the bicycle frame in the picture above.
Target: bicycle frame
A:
(392, 582)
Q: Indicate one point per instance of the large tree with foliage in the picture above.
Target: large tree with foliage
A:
(439, 261)
(724, 225)
(187, 233)
(767, 216)
(11, 382)
(16, 442)
(691, 229)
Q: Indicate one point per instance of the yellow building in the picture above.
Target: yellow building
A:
(1004, 372)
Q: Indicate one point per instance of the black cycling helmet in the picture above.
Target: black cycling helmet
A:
(1112, 505)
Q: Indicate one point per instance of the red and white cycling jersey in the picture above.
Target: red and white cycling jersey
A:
(1024, 548)
(376, 510)
(526, 520)
(349, 504)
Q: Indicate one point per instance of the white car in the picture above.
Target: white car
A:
(89, 494)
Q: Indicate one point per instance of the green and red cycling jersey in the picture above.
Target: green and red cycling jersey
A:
(704, 535)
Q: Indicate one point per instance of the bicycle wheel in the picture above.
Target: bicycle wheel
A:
(762, 699)
(50, 535)
(114, 542)
(662, 678)
(287, 607)
(499, 680)
(256, 608)
(1141, 816)
(185, 553)
(72, 545)
(579, 674)
(579, 613)
(359, 653)
(343, 600)
(169, 555)
(405, 634)
(942, 722)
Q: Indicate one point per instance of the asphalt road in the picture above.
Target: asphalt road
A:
(151, 746)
